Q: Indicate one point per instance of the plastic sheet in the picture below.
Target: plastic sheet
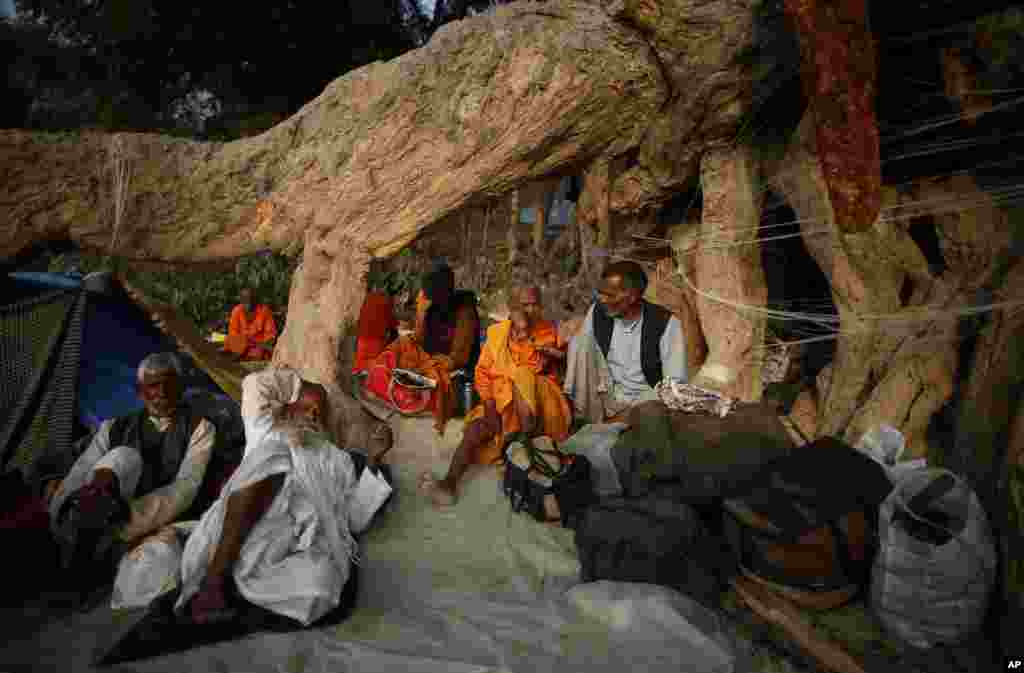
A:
(150, 570)
(933, 592)
(474, 589)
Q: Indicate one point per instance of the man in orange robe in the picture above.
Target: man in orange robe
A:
(444, 341)
(519, 388)
(377, 328)
(251, 329)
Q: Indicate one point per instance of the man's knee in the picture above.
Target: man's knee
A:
(126, 463)
(478, 432)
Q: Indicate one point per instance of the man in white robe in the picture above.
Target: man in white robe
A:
(281, 531)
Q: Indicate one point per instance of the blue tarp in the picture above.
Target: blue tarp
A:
(48, 281)
(116, 336)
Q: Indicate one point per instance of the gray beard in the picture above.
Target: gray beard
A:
(302, 432)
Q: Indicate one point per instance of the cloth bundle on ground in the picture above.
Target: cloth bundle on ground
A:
(806, 525)
(936, 564)
(651, 540)
(696, 458)
(663, 463)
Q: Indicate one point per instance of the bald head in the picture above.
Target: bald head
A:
(527, 300)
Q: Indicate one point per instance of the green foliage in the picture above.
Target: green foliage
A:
(205, 297)
(142, 57)
(394, 279)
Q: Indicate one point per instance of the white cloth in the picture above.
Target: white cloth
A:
(600, 386)
(264, 394)
(149, 511)
(296, 559)
(693, 399)
(149, 571)
(595, 441)
(624, 358)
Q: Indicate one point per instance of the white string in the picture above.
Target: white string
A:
(121, 179)
(946, 120)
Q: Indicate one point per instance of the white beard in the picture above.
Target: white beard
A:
(301, 433)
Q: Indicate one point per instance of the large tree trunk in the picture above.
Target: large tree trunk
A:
(385, 151)
(838, 68)
(730, 277)
(891, 365)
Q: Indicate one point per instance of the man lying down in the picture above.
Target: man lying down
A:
(280, 534)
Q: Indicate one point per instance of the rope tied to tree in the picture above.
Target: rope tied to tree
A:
(121, 174)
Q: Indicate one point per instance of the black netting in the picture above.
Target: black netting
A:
(40, 344)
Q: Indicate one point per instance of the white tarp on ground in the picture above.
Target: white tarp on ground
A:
(474, 589)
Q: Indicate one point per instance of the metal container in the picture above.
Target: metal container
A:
(465, 397)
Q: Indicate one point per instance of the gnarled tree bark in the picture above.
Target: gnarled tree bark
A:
(385, 151)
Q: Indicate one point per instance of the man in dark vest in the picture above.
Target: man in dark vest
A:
(139, 474)
(625, 347)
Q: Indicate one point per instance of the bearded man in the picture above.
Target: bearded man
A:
(280, 536)
(139, 474)
(519, 389)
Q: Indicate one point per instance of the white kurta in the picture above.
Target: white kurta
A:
(296, 559)
(601, 386)
(149, 511)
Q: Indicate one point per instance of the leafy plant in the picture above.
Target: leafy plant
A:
(205, 297)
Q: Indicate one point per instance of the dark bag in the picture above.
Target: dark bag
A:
(650, 540)
(806, 529)
(527, 485)
(697, 458)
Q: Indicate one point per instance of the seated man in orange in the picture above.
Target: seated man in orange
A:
(377, 327)
(251, 329)
(519, 392)
(446, 339)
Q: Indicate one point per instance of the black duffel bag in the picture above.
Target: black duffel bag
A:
(652, 540)
(566, 477)
(697, 458)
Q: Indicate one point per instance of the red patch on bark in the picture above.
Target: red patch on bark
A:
(838, 58)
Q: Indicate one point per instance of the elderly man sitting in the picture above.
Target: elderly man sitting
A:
(280, 535)
(517, 381)
(139, 473)
(625, 347)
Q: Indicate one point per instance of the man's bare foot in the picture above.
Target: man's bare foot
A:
(436, 491)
